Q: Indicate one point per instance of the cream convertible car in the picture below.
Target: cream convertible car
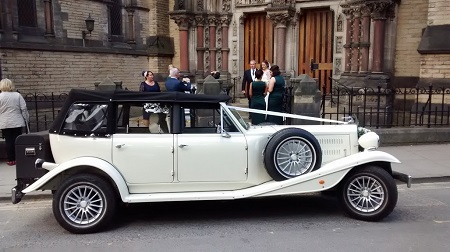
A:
(99, 153)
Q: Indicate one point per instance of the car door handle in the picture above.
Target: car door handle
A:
(182, 145)
(120, 146)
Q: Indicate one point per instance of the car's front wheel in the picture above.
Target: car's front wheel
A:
(369, 194)
(84, 204)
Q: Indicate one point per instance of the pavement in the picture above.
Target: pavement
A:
(425, 163)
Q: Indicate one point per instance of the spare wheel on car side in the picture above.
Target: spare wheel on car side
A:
(292, 152)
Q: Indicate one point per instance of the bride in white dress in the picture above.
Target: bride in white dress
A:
(265, 67)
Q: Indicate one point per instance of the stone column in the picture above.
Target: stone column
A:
(378, 45)
(130, 33)
(348, 40)
(225, 20)
(355, 40)
(280, 17)
(212, 42)
(379, 19)
(365, 39)
(200, 45)
(183, 20)
(49, 32)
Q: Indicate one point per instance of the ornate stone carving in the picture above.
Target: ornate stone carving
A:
(340, 23)
(213, 21)
(242, 18)
(219, 60)
(379, 8)
(206, 61)
(181, 5)
(235, 67)
(182, 20)
(337, 66)
(234, 50)
(235, 28)
(206, 36)
(226, 5)
(281, 18)
(225, 20)
(200, 5)
(240, 3)
(283, 2)
(348, 12)
(219, 37)
(339, 44)
(199, 20)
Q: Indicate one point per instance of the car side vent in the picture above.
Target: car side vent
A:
(334, 147)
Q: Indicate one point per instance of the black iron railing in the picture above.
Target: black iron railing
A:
(378, 107)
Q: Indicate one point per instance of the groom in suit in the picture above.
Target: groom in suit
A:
(249, 76)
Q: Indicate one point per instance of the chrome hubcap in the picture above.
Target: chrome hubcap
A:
(294, 157)
(83, 204)
(365, 194)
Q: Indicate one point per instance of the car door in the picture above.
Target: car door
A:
(141, 156)
(205, 155)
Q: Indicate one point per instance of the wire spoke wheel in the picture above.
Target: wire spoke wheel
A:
(365, 194)
(84, 204)
(294, 157)
(368, 193)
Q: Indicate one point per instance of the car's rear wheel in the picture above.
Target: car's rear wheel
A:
(292, 152)
(369, 194)
(84, 204)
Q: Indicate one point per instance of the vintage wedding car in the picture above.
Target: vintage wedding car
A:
(98, 154)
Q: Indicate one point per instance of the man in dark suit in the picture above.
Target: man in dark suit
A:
(249, 76)
(174, 84)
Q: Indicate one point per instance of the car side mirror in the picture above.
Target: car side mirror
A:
(225, 134)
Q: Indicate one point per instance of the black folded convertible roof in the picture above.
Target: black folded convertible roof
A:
(81, 95)
(88, 96)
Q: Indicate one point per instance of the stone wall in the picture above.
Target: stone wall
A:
(412, 18)
(435, 66)
(62, 62)
(46, 72)
(438, 12)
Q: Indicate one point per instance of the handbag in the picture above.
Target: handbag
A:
(27, 127)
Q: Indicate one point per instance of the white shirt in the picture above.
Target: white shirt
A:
(252, 72)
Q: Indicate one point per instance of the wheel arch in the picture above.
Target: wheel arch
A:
(84, 165)
(385, 165)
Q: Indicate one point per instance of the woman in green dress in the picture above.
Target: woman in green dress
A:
(257, 92)
(276, 91)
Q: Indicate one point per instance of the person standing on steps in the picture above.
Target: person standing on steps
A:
(249, 77)
(258, 89)
(275, 91)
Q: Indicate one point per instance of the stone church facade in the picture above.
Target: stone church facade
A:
(45, 47)
(387, 43)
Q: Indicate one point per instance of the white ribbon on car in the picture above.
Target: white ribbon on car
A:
(310, 118)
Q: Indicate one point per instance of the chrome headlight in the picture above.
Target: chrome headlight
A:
(369, 141)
